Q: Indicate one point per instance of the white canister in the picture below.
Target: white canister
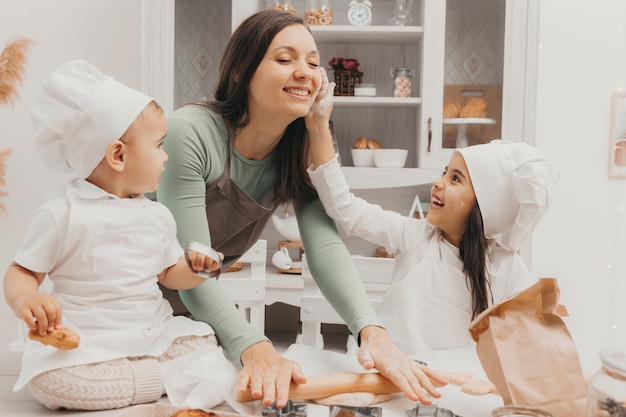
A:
(365, 90)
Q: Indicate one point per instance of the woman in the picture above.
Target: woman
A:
(232, 161)
(463, 257)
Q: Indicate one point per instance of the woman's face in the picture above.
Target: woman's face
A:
(288, 78)
(452, 200)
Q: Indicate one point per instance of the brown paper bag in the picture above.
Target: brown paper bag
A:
(528, 354)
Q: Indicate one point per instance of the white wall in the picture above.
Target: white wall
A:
(582, 61)
(582, 239)
(106, 33)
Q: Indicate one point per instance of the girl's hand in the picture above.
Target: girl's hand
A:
(41, 312)
(417, 381)
(268, 374)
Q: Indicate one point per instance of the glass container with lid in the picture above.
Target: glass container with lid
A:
(318, 12)
(402, 81)
(607, 387)
(284, 5)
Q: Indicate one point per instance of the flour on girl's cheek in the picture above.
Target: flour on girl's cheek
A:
(321, 107)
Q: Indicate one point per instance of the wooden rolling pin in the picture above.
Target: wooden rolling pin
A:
(326, 385)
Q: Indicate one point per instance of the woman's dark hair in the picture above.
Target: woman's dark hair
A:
(473, 251)
(242, 55)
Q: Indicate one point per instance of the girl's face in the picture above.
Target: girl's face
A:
(288, 78)
(452, 200)
(145, 157)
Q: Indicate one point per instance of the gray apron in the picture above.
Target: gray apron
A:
(236, 222)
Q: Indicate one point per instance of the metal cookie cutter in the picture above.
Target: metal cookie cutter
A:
(289, 410)
(205, 250)
(430, 411)
(350, 411)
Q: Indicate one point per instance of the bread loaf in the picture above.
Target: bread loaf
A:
(61, 338)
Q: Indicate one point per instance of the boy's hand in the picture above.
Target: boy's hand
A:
(41, 312)
(203, 260)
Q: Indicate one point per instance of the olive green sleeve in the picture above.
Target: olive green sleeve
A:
(209, 303)
(197, 147)
(333, 269)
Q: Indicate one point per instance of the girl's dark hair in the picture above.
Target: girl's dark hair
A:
(242, 55)
(473, 251)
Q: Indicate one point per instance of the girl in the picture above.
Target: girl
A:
(463, 257)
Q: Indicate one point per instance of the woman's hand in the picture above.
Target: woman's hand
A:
(414, 379)
(267, 374)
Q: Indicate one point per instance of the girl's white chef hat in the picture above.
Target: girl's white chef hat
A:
(77, 112)
(513, 183)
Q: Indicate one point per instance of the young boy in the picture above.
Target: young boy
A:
(105, 247)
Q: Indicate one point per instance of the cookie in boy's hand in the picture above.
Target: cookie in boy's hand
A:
(61, 338)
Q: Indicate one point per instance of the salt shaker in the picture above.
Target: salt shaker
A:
(607, 387)
(402, 81)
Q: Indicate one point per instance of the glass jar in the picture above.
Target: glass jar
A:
(402, 81)
(607, 387)
(318, 12)
(284, 5)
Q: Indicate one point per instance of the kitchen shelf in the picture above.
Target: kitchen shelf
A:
(350, 101)
(369, 34)
(360, 178)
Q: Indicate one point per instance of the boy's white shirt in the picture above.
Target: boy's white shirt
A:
(103, 254)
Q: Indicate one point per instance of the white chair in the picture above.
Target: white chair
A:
(247, 286)
(315, 309)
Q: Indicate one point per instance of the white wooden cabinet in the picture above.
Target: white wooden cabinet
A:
(415, 123)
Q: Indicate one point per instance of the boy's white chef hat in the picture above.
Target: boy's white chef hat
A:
(77, 112)
(513, 183)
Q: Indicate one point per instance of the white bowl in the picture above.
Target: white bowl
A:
(287, 227)
(390, 158)
(363, 157)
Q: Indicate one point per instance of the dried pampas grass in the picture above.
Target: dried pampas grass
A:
(12, 69)
(12, 66)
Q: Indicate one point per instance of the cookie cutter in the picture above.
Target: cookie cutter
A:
(205, 250)
(352, 411)
(289, 410)
(430, 411)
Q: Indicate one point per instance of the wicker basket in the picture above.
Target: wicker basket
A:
(345, 80)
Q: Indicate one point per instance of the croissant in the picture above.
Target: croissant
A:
(374, 144)
(475, 107)
(451, 109)
(61, 338)
(361, 143)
